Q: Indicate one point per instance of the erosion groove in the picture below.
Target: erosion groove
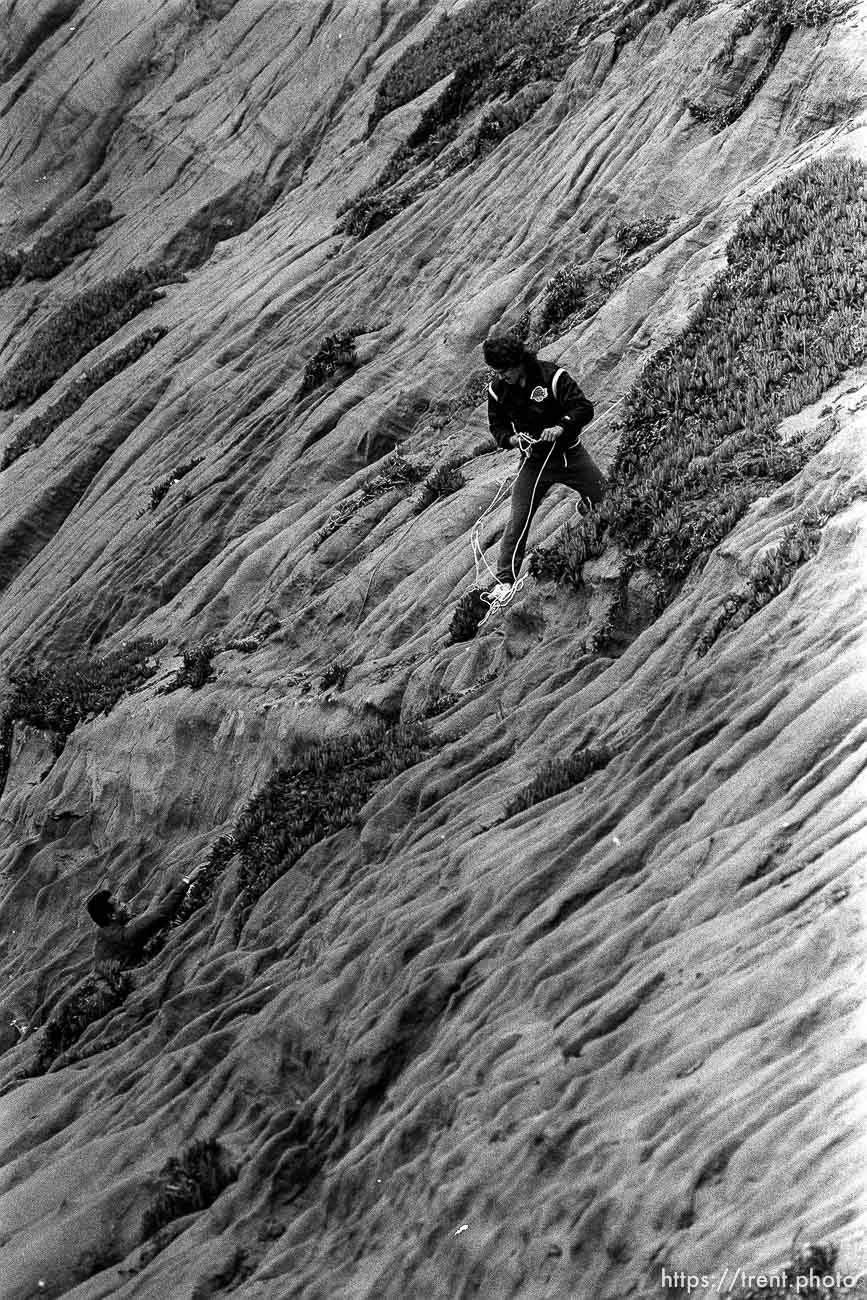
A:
(523, 945)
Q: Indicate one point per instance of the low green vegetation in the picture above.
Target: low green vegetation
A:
(179, 472)
(774, 571)
(563, 561)
(318, 793)
(564, 293)
(77, 327)
(76, 233)
(781, 18)
(558, 775)
(97, 995)
(188, 1183)
(699, 438)
(477, 36)
(397, 474)
(334, 352)
(10, 267)
(50, 253)
(63, 693)
(489, 51)
(39, 429)
(782, 323)
(494, 48)
(204, 883)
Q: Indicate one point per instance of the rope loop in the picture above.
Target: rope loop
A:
(525, 443)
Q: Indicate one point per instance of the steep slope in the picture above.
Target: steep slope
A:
(457, 1047)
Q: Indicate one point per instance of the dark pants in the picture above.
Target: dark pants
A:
(580, 472)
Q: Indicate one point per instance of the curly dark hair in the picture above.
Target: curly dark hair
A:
(504, 350)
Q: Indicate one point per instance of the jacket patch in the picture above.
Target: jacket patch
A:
(538, 394)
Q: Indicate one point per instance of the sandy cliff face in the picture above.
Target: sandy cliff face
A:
(454, 1050)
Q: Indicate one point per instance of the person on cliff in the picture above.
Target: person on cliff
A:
(536, 406)
(121, 939)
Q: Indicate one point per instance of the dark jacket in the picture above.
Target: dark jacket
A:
(512, 409)
(124, 943)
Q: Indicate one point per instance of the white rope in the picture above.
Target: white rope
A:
(525, 443)
(526, 527)
(475, 542)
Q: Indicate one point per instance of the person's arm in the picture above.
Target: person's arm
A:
(157, 916)
(498, 423)
(577, 410)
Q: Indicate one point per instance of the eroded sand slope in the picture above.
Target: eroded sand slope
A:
(452, 1053)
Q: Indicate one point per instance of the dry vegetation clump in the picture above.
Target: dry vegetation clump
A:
(179, 472)
(445, 480)
(334, 676)
(578, 289)
(398, 473)
(197, 668)
(558, 775)
(441, 703)
(188, 1183)
(63, 693)
(438, 704)
(334, 352)
(644, 230)
(39, 429)
(444, 410)
(318, 793)
(77, 327)
(98, 994)
(372, 209)
(700, 438)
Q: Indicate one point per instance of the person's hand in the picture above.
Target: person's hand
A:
(549, 435)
